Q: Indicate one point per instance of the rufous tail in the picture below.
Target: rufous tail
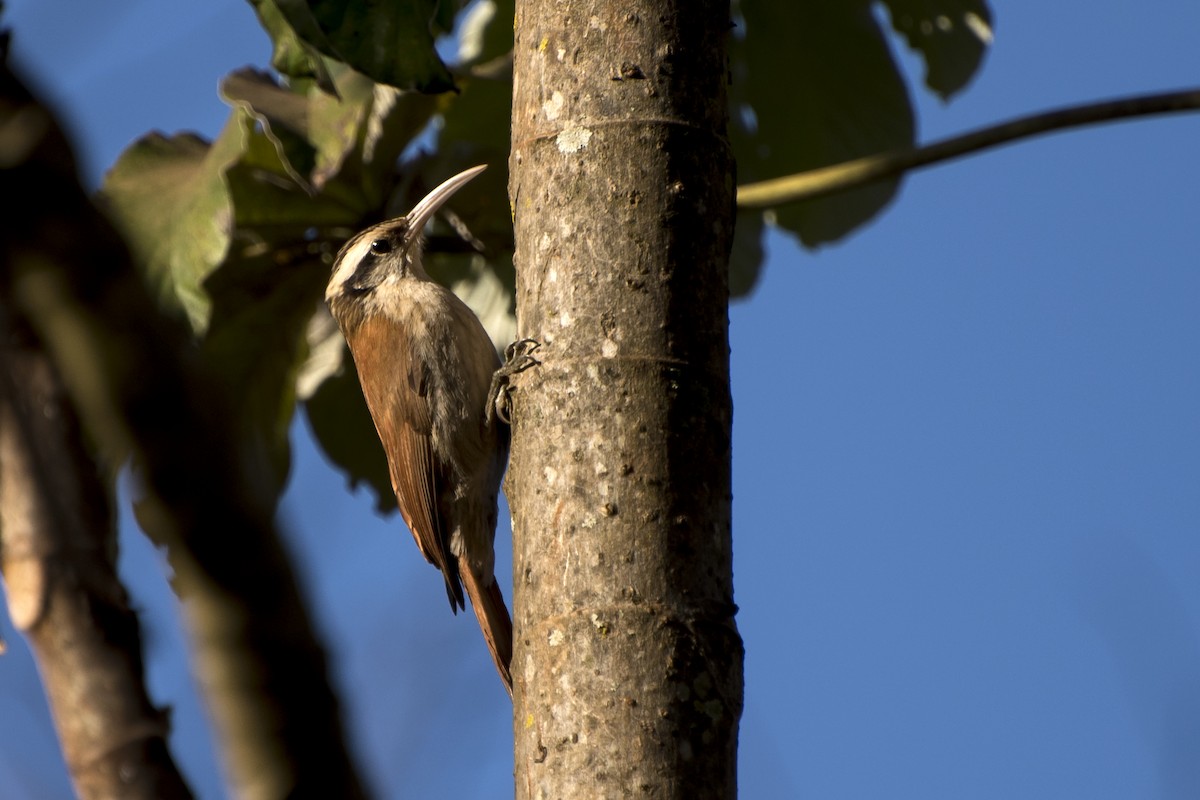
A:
(494, 621)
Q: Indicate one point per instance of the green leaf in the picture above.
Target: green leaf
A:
(951, 35)
(475, 131)
(819, 83)
(389, 42)
(336, 125)
(292, 56)
(255, 346)
(168, 197)
(343, 144)
(283, 117)
(476, 126)
(272, 210)
(815, 84)
(360, 137)
(297, 169)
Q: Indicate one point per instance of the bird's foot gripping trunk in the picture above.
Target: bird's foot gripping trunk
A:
(518, 357)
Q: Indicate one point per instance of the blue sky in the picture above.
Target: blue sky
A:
(966, 467)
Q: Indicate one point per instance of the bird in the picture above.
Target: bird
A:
(428, 371)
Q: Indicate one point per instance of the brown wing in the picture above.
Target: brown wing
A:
(395, 387)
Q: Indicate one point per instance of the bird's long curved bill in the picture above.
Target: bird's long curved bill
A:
(431, 202)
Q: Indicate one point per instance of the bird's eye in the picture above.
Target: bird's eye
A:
(381, 247)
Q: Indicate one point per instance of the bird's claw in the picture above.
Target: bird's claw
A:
(518, 357)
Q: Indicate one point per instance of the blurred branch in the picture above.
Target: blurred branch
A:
(862, 171)
(59, 568)
(134, 379)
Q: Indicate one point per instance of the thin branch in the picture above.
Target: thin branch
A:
(862, 171)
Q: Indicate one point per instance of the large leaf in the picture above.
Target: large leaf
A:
(274, 208)
(475, 130)
(301, 165)
(265, 291)
(292, 56)
(821, 85)
(815, 84)
(343, 144)
(390, 42)
(282, 119)
(255, 346)
(168, 197)
(360, 137)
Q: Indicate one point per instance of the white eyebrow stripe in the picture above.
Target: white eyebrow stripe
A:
(351, 258)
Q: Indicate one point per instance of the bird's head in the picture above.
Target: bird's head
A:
(387, 253)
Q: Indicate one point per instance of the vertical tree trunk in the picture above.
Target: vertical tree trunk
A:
(627, 663)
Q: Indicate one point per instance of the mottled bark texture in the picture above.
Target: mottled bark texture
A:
(141, 393)
(627, 664)
(58, 548)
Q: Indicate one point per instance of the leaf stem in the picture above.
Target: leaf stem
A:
(869, 169)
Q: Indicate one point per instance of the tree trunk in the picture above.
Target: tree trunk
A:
(133, 380)
(627, 664)
(60, 578)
